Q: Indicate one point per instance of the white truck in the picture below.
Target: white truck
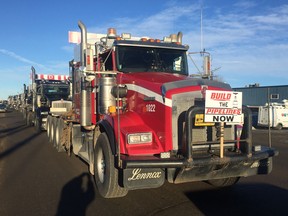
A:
(278, 113)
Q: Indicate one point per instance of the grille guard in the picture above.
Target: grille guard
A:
(186, 160)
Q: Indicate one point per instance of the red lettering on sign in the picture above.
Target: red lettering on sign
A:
(221, 96)
(220, 111)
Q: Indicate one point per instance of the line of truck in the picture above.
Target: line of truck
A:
(132, 112)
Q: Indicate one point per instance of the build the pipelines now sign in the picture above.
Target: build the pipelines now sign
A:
(223, 106)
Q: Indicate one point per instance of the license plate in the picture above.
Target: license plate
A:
(199, 121)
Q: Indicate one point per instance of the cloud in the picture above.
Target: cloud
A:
(68, 48)
(251, 47)
(55, 67)
(58, 67)
(157, 25)
(243, 41)
(168, 19)
(246, 43)
(20, 58)
(245, 4)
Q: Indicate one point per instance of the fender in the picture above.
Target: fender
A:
(106, 127)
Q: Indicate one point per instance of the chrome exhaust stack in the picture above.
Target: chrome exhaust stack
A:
(83, 45)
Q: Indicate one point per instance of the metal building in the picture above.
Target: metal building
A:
(255, 95)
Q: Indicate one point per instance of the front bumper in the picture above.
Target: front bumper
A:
(176, 162)
(190, 165)
(180, 170)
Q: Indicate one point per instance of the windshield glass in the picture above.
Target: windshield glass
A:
(55, 89)
(151, 59)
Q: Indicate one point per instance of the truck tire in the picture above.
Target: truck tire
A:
(29, 119)
(279, 126)
(48, 126)
(225, 182)
(53, 127)
(58, 134)
(105, 173)
(37, 124)
(24, 114)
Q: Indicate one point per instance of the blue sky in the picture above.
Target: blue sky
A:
(248, 40)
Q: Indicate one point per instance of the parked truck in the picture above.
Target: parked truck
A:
(274, 115)
(138, 118)
(47, 95)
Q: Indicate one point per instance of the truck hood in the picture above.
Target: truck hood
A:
(161, 83)
(151, 80)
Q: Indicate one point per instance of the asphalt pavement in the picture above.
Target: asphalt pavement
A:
(36, 180)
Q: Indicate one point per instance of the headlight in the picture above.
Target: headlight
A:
(139, 138)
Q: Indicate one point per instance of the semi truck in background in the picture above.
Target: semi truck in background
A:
(138, 118)
(274, 115)
(14, 101)
(47, 95)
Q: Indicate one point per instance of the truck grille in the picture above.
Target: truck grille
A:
(203, 138)
(61, 106)
(180, 104)
(207, 138)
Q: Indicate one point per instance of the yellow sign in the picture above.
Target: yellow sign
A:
(199, 121)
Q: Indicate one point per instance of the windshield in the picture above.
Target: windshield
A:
(55, 89)
(54, 92)
(151, 59)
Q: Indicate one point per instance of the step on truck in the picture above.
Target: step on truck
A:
(138, 119)
(47, 95)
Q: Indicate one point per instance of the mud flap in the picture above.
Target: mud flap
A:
(140, 178)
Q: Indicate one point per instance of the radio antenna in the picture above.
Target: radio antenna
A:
(201, 28)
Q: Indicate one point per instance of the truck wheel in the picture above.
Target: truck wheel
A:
(29, 119)
(48, 125)
(52, 133)
(225, 182)
(105, 173)
(58, 134)
(25, 114)
(37, 124)
(279, 126)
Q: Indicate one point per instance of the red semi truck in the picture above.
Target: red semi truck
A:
(138, 118)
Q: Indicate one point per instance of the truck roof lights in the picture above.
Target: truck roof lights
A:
(126, 36)
(111, 33)
(179, 37)
(167, 39)
(173, 38)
